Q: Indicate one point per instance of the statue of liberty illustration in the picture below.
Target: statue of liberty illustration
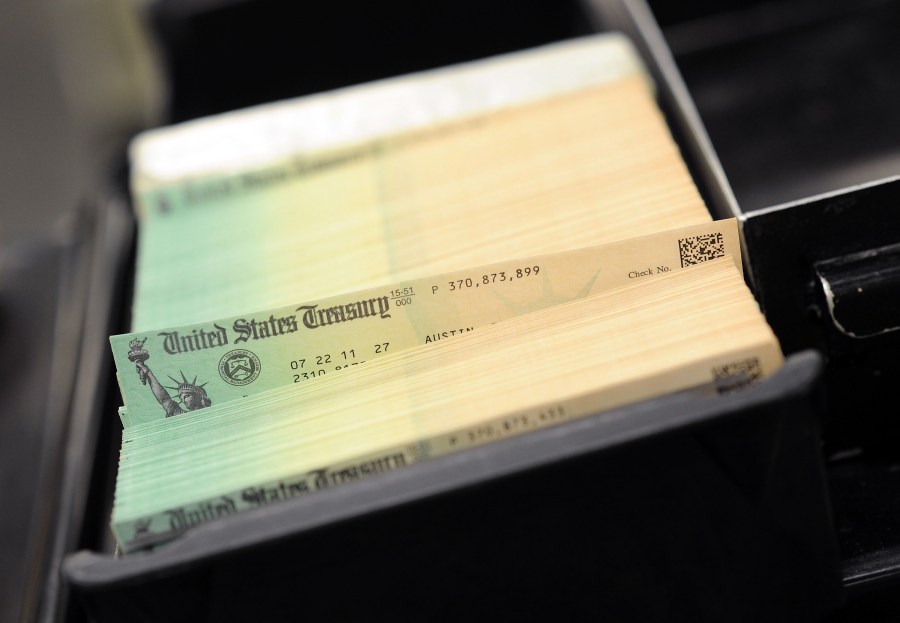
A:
(190, 395)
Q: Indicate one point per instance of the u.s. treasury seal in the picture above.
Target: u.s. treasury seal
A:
(239, 367)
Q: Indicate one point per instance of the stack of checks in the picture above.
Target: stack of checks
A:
(353, 282)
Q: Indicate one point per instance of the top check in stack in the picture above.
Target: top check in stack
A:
(305, 270)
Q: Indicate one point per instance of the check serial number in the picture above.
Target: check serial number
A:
(491, 278)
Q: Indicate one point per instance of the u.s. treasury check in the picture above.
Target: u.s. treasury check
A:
(174, 370)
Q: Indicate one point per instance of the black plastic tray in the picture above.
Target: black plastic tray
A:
(681, 508)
